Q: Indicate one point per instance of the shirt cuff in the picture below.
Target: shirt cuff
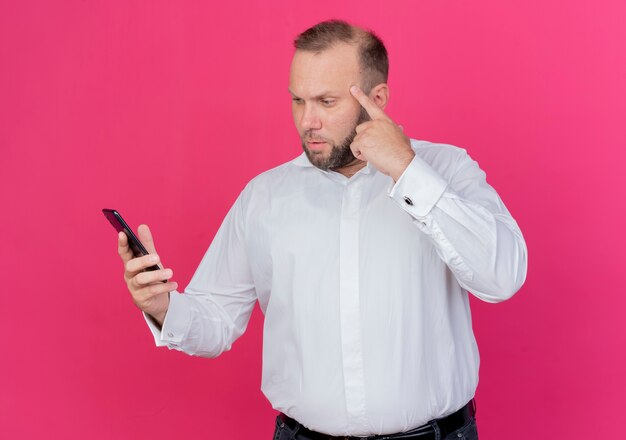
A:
(176, 322)
(419, 188)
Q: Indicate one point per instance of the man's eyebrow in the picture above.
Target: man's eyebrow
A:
(326, 94)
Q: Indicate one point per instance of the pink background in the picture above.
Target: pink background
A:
(164, 110)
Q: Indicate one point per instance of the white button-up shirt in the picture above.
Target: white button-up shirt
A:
(364, 286)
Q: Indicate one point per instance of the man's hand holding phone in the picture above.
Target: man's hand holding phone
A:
(149, 288)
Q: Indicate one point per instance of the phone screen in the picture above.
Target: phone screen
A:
(120, 225)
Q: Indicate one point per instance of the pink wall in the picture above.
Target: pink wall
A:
(194, 96)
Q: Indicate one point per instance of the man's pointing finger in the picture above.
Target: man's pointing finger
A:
(370, 106)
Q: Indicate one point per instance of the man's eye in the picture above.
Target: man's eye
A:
(328, 101)
(297, 100)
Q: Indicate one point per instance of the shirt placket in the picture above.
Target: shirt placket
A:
(351, 343)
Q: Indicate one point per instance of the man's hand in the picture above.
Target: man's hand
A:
(148, 290)
(380, 141)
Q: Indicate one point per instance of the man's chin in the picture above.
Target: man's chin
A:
(318, 160)
(329, 159)
(315, 155)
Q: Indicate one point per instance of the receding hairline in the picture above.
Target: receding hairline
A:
(370, 50)
(332, 46)
(312, 41)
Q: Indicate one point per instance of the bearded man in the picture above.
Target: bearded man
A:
(361, 253)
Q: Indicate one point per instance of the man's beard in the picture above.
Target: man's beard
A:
(339, 156)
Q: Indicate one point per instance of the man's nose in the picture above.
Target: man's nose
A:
(310, 118)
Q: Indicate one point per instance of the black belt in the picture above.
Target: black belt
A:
(446, 425)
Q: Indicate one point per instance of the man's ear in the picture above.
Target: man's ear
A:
(380, 95)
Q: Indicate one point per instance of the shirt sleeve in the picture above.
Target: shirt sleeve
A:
(472, 230)
(215, 308)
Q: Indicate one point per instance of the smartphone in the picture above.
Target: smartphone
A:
(120, 225)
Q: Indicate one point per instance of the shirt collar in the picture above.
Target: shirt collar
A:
(302, 161)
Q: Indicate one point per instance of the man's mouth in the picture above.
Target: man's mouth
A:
(315, 145)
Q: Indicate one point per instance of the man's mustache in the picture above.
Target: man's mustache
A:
(310, 137)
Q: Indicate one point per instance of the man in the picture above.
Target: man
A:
(360, 252)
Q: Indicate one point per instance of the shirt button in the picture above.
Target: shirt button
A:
(170, 335)
(408, 201)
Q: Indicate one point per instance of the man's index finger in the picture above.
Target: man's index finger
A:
(370, 106)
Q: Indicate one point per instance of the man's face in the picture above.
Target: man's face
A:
(324, 111)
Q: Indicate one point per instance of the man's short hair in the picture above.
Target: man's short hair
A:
(372, 52)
